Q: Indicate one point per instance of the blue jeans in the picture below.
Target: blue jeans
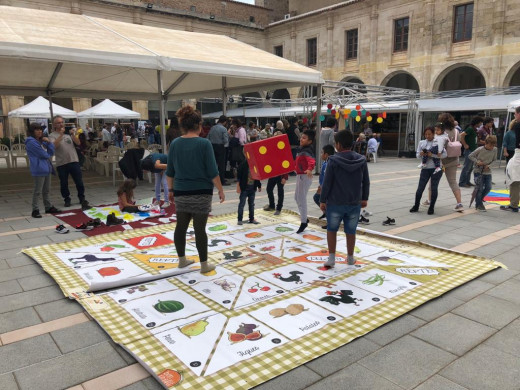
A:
(349, 214)
(483, 188)
(428, 174)
(74, 170)
(465, 174)
(249, 194)
(160, 178)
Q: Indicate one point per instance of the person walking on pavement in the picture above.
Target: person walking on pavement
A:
(67, 162)
(450, 164)
(468, 138)
(219, 138)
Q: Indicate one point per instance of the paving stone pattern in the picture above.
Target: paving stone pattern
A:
(465, 339)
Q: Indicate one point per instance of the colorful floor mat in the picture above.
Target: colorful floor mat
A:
(132, 221)
(500, 197)
(269, 306)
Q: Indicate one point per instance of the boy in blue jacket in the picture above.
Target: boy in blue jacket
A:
(326, 152)
(344, 192)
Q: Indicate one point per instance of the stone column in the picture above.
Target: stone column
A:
(75, 7)
(13, 126)
(429, 20)
(81, 104)
(293, 43)
(141, 106)
(330, 37)
(374, 22)
(496, 77)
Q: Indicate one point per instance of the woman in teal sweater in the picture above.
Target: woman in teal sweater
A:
(191, 173)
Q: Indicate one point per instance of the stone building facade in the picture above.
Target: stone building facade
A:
(427, 45)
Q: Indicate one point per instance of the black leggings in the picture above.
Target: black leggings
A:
(201, 238)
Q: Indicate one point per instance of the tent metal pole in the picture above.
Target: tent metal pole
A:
(49, 96)
(399, 136)
(224, 96)
(502, 147)
(319, 102)
(161, 110)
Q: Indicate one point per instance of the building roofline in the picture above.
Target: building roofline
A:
(315, 12)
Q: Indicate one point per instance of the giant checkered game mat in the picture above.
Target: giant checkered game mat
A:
(269, 306)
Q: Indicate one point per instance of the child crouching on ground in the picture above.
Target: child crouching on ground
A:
(125, 197)
(344, 192)
(305, 163)
(326, 152)
(246, 187)
(483, 157)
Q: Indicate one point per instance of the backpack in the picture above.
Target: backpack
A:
(454, 148)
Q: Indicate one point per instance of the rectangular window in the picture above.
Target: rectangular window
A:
(463, 23)
(401, 34)
(312, 51)
(278, 50)
(352, 44)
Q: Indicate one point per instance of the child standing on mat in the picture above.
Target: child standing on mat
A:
(305, 163)
(246, 187)
(326, 152)
(279, 182)
(125, 197)
(156, 163)
(345, 190)
(483, 157)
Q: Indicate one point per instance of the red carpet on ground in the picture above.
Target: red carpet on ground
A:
(79, 217)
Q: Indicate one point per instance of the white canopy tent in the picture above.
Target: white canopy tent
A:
(110, 59)
(472, 103)
(513, 105)
(39, 108)
(107, 109)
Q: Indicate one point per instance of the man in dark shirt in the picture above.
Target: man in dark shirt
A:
(219, 138)
(469, 140)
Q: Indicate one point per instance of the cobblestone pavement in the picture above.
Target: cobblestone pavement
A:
(468, 338)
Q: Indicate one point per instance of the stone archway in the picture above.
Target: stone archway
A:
(513, 76)
(354, 80)
(460, 76)
(281, 94)
(314, 91)
(401, 80)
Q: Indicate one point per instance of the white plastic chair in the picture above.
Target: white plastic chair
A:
(5, 154)
(18, 151)
(374, 154)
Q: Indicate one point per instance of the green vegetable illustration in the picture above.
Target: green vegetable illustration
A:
(168, 306)
(376, 279)
(282, 229)
(217, 228)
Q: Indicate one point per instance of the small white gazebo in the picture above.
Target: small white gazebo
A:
(39, 108)
(107, 109)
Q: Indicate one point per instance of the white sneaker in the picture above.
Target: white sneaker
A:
(459, 207)
(426, 203)
(156, 203)
(365, 213)
(165, 205)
